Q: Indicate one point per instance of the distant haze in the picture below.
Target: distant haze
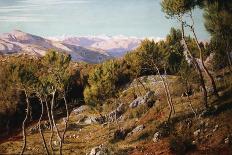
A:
(139, 18)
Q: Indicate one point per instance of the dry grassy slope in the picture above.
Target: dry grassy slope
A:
(81, 139)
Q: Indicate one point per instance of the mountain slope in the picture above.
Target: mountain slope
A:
(18, 42)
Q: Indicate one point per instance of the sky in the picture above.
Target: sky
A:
(139, 18)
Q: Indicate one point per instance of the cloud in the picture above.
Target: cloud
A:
(18, 12)
(20, 19)
(55, 2)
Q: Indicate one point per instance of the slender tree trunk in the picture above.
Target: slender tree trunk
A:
(66, 122)
(51, 126)
(169, 94)
(215, 91)
(39, 124)
(195, 63)
(24, 123)
(53, 120)
(166, 92)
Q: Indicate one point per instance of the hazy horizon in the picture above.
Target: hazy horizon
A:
(90, 18)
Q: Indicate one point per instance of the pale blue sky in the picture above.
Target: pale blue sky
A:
(141, 18)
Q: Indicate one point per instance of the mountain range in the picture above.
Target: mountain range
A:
(90, 49)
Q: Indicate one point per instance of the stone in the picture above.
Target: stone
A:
(117, 113)
(87, 120)
(197, 133)
(156, 137)
(220, 93)
(56, 143)
(99, 150)
(148, 98)
(138, 128)
(215, 128)
(80, 109)
(194, 142)
(227, 140)
(138, 101)
(90, 120)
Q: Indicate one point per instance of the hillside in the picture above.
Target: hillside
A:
(143, 130)
(18, 42)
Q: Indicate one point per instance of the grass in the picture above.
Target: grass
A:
(152, 118)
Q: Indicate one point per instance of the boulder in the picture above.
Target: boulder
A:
(148, 98)
(138, 101)
(227, 140)
(88, 120)
(197, 133)
(117, 113)
(136, 129)
(80, 109)
(156, 137)
(99, 150)
(215, 128)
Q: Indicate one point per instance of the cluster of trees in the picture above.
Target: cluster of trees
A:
(48, 80)
(53, 79)
(178, 54)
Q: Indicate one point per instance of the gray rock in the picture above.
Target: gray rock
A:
(138, 128)
(156, 137)
(215, 128)
(80, 109)
(99, 150)
(56, 143)
(146, 99)
(138, 101)
(117, 113)
(194, 142)
(88, 120)
(197, 133)
(227, 140)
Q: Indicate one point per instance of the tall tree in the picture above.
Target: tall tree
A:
(57, 64)
(218, 22)
(153, 58)
(177, 10)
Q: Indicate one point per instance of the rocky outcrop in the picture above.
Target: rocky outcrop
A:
(148, 99)
(137, 129)
(115, 114)
(80, 109)
(99, 150)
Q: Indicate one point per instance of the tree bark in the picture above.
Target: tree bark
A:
(51, 126)
(215, 91)
(24, 123)
(166, 92)
(66, 123)
(195, 63)
(169, 95)
(53, 120)
(39, 124)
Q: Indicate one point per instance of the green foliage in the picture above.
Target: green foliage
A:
(57, 66)
(105, 80)
(178, 7)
